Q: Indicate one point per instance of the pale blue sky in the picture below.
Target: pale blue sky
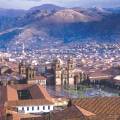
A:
(26, 4)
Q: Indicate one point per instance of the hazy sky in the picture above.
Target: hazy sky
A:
(26, 4)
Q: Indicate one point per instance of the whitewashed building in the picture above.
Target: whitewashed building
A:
(27, 99)
(35, 109)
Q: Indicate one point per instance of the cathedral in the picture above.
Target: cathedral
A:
(27, 71)
(66, 74)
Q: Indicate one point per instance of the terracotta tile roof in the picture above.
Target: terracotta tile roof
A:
(70, 113)
(40, 77)
(8, 93)
(11, 94)
(12, 65)
(99, 75)
(38, 92)
(29, 102)
(21, 86)
(3, 91)
(34, 118)
(105, 117)
(85, 112)
(100, 105)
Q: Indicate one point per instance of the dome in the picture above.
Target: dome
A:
(58, 60)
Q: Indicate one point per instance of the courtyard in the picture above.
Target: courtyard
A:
(83, 91)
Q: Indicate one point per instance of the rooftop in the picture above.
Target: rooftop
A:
(100, 105)
(39, 95)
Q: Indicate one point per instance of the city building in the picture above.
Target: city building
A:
(29, 73)
(102, 108)
(66, 74)
(25, 99)
(96, 108)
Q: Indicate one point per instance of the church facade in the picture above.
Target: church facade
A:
(65, 74)
(29, 73)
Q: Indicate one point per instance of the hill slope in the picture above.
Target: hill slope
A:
(48, 24)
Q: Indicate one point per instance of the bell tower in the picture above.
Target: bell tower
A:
(30, 73)
(22, 68)
(65, 77)
(71, 67)
(57, 71)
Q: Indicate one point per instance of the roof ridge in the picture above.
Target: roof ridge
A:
(85, 112)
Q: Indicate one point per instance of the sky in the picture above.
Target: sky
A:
(27, 4)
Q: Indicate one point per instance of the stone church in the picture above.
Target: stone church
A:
(27, 71)
(65, 73)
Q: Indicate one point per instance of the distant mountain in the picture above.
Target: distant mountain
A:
(46, 7)
(11, 12)
(40, 12)
(69, 16)
(9, 18)
(114, 10)
(48, 23)
(8, 36)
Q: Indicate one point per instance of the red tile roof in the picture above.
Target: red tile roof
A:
(100, 105)
(39, 94)
(29, 102)
(70, 113)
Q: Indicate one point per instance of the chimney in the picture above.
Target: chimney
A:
(69, 103)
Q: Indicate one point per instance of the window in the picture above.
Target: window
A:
(29, 75)
(33, 75)
(17, 109)
(27, 108)
(58, 66)
(38, 108)
(32, 108)
(22, 108)
(43, 107)
(48, 107)
(22, 71)
(58, 76)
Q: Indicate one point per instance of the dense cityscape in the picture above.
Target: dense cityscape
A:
(73, 71)
(59, 63)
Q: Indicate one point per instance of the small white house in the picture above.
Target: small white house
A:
(33, 106)
(35, 109)
(40, 80)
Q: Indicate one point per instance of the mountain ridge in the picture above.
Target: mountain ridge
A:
(67, 25)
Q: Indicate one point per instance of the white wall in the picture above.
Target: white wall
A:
(41, 82)
(71, 81)
(36, 110)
